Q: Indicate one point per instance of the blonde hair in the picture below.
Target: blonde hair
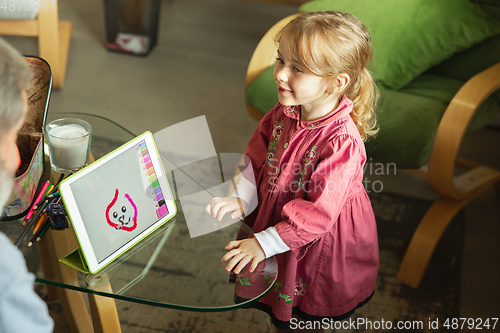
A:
(330, 43)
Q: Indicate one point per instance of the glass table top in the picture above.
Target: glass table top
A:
(168, 268)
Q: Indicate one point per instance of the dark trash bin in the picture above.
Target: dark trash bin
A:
(132, 25)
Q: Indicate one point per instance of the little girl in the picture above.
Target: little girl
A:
(307, 154)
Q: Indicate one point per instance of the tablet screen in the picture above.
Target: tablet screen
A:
(115, 211)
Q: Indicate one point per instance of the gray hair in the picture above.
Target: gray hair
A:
(15, 77)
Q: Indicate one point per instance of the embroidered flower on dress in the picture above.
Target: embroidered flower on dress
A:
(275, 136)
(244, 281)
(270, 156)
(277, 287)
(242, 278)
(307, 159)
(277, 132)
(290, 109)
(309, 155)
(285, 297)
(300, 288)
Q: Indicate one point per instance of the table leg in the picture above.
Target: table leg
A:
(61, 243)
(47, 266)
(103, 309)
(55, 245)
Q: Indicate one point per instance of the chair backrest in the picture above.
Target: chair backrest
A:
(264, 56)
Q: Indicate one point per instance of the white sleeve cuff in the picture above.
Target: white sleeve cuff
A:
(271, 242)
(245, 190)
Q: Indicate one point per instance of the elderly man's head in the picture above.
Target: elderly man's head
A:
(15, 77)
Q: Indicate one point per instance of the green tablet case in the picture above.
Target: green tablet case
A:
(76, 260)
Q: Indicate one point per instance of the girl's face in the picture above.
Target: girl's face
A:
(298, 86)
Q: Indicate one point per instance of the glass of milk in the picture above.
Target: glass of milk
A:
(68, 140)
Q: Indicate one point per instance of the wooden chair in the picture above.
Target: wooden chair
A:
(53, 37)
(456, 192)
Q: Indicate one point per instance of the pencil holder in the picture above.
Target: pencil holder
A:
(30, 142)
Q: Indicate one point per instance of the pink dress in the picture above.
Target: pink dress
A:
(309, 178)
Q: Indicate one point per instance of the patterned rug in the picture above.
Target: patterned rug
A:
(438, 296)
(397, 217)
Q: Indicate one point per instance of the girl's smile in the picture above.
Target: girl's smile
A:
(284, 91)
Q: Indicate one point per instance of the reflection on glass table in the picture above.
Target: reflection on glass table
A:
(169, 268)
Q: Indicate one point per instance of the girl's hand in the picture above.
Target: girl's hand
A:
(220, 206)
(243, 252)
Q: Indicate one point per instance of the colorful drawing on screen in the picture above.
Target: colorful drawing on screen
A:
(122, 214)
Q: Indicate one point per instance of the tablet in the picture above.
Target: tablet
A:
(118, 200)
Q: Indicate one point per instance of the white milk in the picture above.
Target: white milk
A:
(69, 146)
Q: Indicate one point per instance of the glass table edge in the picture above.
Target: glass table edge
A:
(162, 304)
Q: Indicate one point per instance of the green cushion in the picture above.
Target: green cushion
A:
(262, 93)
(466, 64)
(408, 117)
(491, 7)
(415, 35)
(444, 89)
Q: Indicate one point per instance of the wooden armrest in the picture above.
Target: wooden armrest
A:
(451, 131)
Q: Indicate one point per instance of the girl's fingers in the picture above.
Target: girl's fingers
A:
(224, 209)
(232, 253)
(242, 263)
(220, 206)
(215, 206)
(232, 245)
(237, 213)
(229, 255)
(236, 259)
(255, 263)
(230, 207)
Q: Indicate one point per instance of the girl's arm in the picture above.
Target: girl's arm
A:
(271, 242)
(244, 198)
(242, 252)
(338, 175)
(245, 190)
(266, 244)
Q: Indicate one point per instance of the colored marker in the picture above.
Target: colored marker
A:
(40, 196)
